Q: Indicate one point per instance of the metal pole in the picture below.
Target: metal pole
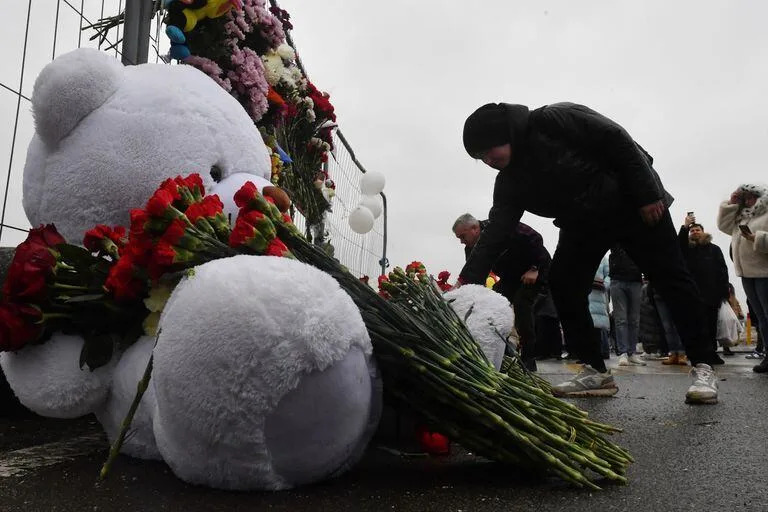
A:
(384, 262)
(138, 17)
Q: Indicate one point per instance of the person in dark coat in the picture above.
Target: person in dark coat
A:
(523, 266)
(651, 333)
(570, 163)
(707, 265)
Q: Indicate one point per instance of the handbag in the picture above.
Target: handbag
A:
(728, 326)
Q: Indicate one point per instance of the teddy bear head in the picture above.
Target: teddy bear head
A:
(107, 135)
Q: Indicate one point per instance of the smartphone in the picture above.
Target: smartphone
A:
(745, 229)
(690, 214)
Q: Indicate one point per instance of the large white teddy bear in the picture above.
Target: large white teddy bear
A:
(263, 374)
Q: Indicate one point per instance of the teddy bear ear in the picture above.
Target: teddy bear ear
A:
(70, 88)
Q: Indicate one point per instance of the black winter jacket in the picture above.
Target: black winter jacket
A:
(568, 163)
(524, 248)
(621, 266)
(707, 266)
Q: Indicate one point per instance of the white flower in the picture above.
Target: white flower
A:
(273, 68)
(308, 102)
(286, 52)
(311, 116)
(297, 76)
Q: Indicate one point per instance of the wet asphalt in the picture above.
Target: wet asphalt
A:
(711, 458)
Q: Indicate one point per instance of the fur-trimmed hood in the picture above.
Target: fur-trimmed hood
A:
(760, 206)
(704, 240)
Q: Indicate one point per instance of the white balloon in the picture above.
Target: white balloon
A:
(372, 183)
(373, 203)
(361, 220)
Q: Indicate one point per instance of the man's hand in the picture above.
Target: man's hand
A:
(651, 213)
(530, 277)
(689, 219)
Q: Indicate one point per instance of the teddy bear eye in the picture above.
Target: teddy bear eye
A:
(216, 173)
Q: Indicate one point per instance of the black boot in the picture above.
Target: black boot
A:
(762, 367)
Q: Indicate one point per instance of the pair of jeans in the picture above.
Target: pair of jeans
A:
(625, 296)
(655, 249)
(756, 289)
(674, 344)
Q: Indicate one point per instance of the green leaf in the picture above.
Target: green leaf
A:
(76, 255)
(85, 298)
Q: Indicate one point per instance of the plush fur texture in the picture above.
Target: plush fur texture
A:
(127, 373)
(107, 145)
(263, 374)
(48, 380)
(253, 343)
(750, 259)
(491, 315)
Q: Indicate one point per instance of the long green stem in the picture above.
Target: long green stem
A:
(141, 388)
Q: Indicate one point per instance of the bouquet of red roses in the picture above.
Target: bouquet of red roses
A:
(99, 291)
(54, 286)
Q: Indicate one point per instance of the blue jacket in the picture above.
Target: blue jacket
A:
(598, 299)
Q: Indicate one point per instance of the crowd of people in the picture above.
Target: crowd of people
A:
(566, 161)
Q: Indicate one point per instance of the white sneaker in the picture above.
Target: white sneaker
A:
(635, 359)
(623, 360)
(589, 382)
(704, 387)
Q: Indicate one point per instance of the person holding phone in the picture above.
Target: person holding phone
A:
(566, 161)
(744, 216)
(707, 265)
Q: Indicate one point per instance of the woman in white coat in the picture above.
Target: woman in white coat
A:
(745, 217)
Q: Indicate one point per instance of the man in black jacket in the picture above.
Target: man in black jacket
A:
(707, 266)
(567, 162)
(523, 266)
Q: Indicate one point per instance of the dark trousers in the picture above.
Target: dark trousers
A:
(549, 340)
(655, 249)
(523, 299)
(709, 323)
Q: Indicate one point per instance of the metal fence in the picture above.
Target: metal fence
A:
(33, 35)
(36, 32)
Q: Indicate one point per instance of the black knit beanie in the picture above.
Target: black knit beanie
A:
(486, 127)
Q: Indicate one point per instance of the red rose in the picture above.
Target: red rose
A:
(103, 237)
(322, 106)
(45, 235)
(195, 184)
(19, 325)
(175, 232)
(123, 282)
(159, 204)
(443, 276)
(172, 187)
(276, 247)
(163, 254)
(208, 208)
(33, 263)
(245, 235)
(246, 193)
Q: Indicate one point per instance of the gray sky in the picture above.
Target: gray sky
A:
(686, 78)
